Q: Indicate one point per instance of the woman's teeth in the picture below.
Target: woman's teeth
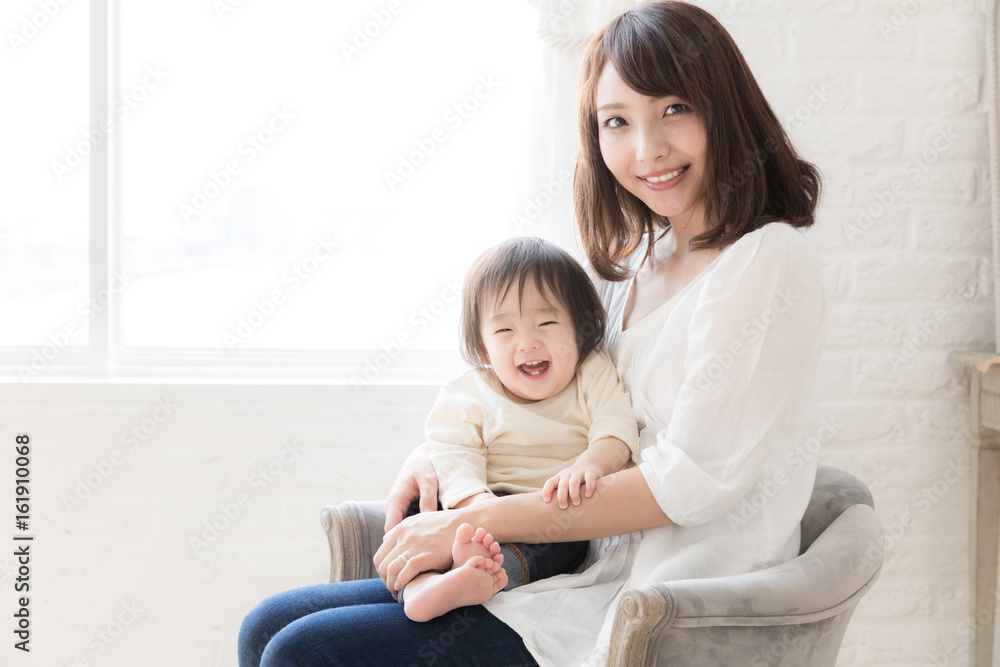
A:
(667, 177)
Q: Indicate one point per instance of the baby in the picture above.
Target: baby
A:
(543, 410)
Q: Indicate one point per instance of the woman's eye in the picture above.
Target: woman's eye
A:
(614, 122)
(674, 109)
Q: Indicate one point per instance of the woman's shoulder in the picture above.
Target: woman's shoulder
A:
(774, 257)
(608, 290)
(777, 235)
(775, 245)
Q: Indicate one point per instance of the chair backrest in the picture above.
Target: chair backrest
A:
(834, 492)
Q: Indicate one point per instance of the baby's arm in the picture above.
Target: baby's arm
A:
(457, 449)
(474, 498)
(614, 435)
(603, 457)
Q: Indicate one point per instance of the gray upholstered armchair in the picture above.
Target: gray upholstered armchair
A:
(792, 614)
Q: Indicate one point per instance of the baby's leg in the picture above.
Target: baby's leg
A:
(471, 581)
(525, 563)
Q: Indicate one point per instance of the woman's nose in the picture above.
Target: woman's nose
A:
(651, 145)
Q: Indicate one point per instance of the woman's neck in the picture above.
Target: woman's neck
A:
(673, 248)
(684, 231)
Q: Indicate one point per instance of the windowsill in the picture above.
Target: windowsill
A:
(351, 378)
(139, 390)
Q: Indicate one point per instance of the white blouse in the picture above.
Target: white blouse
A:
(722, 380)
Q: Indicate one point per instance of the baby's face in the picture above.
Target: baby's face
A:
(531, 344)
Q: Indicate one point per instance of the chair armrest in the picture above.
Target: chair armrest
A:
(355, 531)
(828, 579)
(842, 562)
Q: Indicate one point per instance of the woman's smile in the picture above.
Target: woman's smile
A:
(664, 180)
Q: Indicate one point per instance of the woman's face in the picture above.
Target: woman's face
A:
(655, 147)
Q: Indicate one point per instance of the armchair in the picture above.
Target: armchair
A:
(791, 614)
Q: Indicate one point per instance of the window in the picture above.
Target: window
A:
(295, 185)
(44, 178)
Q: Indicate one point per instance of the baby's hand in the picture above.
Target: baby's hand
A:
(568, 482)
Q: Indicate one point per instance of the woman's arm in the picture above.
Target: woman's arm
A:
(622, 503)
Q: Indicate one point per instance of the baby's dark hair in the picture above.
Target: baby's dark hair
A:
(522, 261)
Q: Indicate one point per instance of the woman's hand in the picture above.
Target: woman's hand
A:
(424, 540)
(416, 479)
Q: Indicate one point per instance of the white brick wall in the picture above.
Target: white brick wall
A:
(904, 281)
(878, 103)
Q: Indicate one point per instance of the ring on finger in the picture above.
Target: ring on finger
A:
(402, 558)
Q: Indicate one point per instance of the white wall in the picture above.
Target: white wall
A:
(889, 103)
(198, 453)
(865, 98)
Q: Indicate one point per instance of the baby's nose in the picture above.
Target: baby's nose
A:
(529, 343)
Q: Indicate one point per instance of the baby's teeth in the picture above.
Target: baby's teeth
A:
(528, 364)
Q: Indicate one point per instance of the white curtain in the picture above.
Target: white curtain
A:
(565, 27)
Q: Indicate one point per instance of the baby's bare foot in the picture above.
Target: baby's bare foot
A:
(471, 542)
(475, 582)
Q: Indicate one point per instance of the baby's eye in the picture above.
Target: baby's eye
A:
(614, 122)
(501, 330)
(549, 322)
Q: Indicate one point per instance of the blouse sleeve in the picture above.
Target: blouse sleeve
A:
(454, 431)
(754, 340)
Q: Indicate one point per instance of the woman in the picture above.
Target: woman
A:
(688, 194)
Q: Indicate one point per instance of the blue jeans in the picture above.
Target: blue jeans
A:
(360, 623)
(525, 563)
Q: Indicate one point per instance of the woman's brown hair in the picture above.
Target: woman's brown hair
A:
(753, 174)
(529, 260)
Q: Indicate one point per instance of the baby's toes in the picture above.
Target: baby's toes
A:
(481, 534)
(464, 533)
(488, 541)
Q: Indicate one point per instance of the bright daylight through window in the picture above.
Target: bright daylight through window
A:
(289, 178)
